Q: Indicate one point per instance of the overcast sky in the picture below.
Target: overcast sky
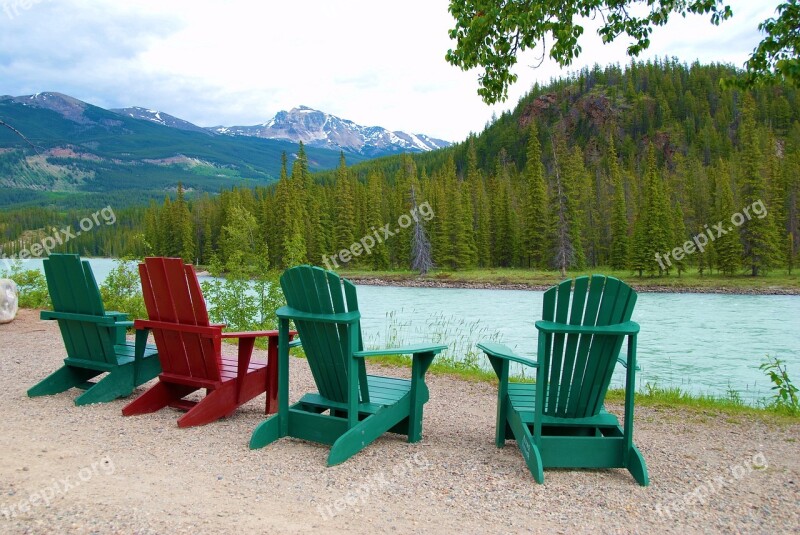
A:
(239, 62)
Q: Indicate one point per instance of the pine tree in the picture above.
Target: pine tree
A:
(565, 202)
(345, 208)
(504, 230)
(467, 254)
(536, 213)
(405, 179)
(619, 216)
(638, 251)
(314, 231)
(379, 258)
(758, 233)
(578, 188)
(458, 229)
(182, 229)
(289, 199)
(480, 207)
(679, 230)
(153, 232)
(483, 226)
(791, 171)
(655, 220)
(728, 247)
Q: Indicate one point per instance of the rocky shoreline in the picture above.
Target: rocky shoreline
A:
(642, 288)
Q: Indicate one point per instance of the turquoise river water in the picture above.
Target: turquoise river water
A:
(703, 343)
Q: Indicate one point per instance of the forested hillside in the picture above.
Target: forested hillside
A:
(56, 150)
(604, 168)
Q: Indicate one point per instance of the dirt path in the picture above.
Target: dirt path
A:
(67, 469)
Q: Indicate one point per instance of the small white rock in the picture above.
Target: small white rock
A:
(8, 300)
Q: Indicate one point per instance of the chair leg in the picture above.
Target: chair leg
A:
(62, 380)
(266, 432)
(527, 446)
(419, 395)
(637, 467)
(366, 431)
(224, 401)
(502, 429)
(217, 404)
(415, 423)
(148, 369)
(118, 383)
(272, 376)
(157, 397)
(533, 458)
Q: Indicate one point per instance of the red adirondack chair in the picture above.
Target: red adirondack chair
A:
(190, 350)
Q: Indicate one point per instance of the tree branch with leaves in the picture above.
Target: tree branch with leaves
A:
(490, 33)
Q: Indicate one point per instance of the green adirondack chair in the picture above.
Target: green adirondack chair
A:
(560, 421)
(359, 407)
(94, 339)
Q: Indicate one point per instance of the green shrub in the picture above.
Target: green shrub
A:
(31, 286)
(785, 396)
(245, 299)
(122, 290)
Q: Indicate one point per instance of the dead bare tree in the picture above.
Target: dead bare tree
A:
(564, 251)
(421, 257)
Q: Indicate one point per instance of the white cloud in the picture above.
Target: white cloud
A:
(240, 62)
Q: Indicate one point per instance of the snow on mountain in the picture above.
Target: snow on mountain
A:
(318, 129)
(160, 117)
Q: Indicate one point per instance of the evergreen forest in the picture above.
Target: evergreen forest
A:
(612, 166)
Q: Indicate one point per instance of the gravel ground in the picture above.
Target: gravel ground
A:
(67, 469)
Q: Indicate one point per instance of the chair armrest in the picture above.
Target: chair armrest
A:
(497, 350)
(208, 331)
(286, 312)
(74, 316)
(249, 334)
(118, 315)
(407, 350)
(126, 324)
(296, 343)
(551, 327)
(254, 334)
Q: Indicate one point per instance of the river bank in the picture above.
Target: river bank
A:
(716, 285)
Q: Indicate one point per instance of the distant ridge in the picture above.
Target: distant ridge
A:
(162, 118)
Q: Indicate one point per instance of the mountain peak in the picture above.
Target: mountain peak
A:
(319, 129)
(67, 106)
